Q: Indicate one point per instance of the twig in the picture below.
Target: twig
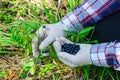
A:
(58, 8)
(4, 59)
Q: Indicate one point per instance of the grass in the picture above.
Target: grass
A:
(19, 22)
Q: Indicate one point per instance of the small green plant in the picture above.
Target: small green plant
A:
(81, 36)
(6, 18)
(3, 73)
(46, 69)
(28, 67)
(72, 3)
(21, 32)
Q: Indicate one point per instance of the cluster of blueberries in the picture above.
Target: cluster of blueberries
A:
(45, 51)
(67, 47)
(70, 48)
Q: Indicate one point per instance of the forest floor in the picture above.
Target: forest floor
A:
(19, 20)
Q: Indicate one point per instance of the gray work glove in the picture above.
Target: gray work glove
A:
(48, 33)
(81, 58)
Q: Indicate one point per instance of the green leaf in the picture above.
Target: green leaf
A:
(85, 30)
(28, 25)
(29, 66)
(23, 75)
(33, 68)
(26, 67)
(83, 33)
(1, 65)
(3, 73)
(53, 55)
(69, 33)
(86, 73)
(49, 66)
(94, 41)
(46, 69)
(57, 75)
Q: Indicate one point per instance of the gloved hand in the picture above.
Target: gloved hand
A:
(82, 57)
(48, 33)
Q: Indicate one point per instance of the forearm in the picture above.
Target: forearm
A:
(106, 54)
(90, 12)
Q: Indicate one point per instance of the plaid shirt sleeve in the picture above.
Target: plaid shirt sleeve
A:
(106, 54)
(89, 12)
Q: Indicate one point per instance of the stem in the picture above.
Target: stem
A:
(75, 74)
(7, 52)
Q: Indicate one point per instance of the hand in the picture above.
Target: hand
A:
(48, 33)
(82, 57)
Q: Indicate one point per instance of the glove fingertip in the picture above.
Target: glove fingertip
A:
(65, 40)
(57, 46)
(42, 45)
(57, 39)
(65, 55)
(36, 54)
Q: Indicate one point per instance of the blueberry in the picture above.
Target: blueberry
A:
(45, 51)
(32, 31)
(44, 26)
(70, 48)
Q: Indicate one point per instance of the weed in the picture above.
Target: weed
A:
(3, 73)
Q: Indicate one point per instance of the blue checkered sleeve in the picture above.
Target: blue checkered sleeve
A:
(106, 54)
(89, 12)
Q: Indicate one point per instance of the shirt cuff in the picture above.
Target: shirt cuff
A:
(104, 55)
(71, 22)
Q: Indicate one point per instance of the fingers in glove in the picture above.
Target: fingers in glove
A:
(57, 46)
(65, 40)
(59, 40)
(43, 31)
(35, 53)
(35, 47)
(48, 40)
(66, 56)
(71, 64)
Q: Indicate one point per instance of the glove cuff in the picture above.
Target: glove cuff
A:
(63, 25)
(89, 49)
(85, 54)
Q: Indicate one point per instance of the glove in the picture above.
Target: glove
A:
(48, 33)
(82, 57)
